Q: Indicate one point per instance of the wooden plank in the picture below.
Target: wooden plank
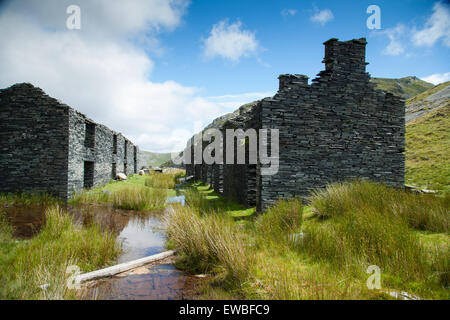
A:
(119, 268)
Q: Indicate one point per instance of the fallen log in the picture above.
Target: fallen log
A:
(119, 268)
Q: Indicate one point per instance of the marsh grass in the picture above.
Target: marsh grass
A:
(370, 223)
(26, 265)
(162, 180)
(139, 198)
(26, 199)
(349, 227)
(366, 238)
(285, 277)
(133, 194)
(420, 211)
(281, 220)
(208, 241)
(198, 201)
(89, 197)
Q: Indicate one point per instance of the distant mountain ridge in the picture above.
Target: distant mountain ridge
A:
(154, 159)
(406, 87)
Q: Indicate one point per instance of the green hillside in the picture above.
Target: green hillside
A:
(406, 87)
(154, 159)
(427, 150)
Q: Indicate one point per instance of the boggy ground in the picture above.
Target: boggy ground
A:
(315, 250)
(320, 249)
(39, 238)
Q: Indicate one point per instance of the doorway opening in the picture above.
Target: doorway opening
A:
(88, 174)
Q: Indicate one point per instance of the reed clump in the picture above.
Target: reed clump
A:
(43, 260)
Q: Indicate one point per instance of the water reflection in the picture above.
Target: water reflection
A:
(141, 234)
(142, 238)
(27, 220)
(163, 282)
(177, 199)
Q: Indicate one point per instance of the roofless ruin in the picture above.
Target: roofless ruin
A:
(337, 128)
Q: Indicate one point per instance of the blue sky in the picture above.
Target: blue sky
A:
(292, 43)
(158, 70)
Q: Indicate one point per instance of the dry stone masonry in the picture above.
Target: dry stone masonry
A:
(46, 146)
(337, 128)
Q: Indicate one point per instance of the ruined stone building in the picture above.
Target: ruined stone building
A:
(337, 128)
(46, 146)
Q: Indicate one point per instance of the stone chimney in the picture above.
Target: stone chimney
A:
(345, 56)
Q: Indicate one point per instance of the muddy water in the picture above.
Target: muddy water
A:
(161, 282)
(26, 220)
(141, 235)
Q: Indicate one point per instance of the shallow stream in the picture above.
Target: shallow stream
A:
(141, 235)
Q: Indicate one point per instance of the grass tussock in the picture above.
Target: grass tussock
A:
(26, 265)
(208, 241)
(366, 238)
(163, 180)
(136, 193)
(283, 219)
(348, 227)
(27, 199)
(420, 211)
(139, 198)
(160, 180)
(371, 224)
(90, 196)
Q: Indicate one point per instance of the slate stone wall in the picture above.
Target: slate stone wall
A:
(33, 141)
(103, 156)
(239, 180)
(337, 128)
(45, 144)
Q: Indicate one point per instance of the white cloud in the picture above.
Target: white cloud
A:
(103, 17)
(322, 16)
(437, 27)
(395, 35)
(437, 78)
(230, 41)
(99, 72)
(288, 12)
(400, 37)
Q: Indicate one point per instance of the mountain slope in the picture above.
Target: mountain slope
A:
(427, 150)
(427, 101)
(406, 87)
(154, 159)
